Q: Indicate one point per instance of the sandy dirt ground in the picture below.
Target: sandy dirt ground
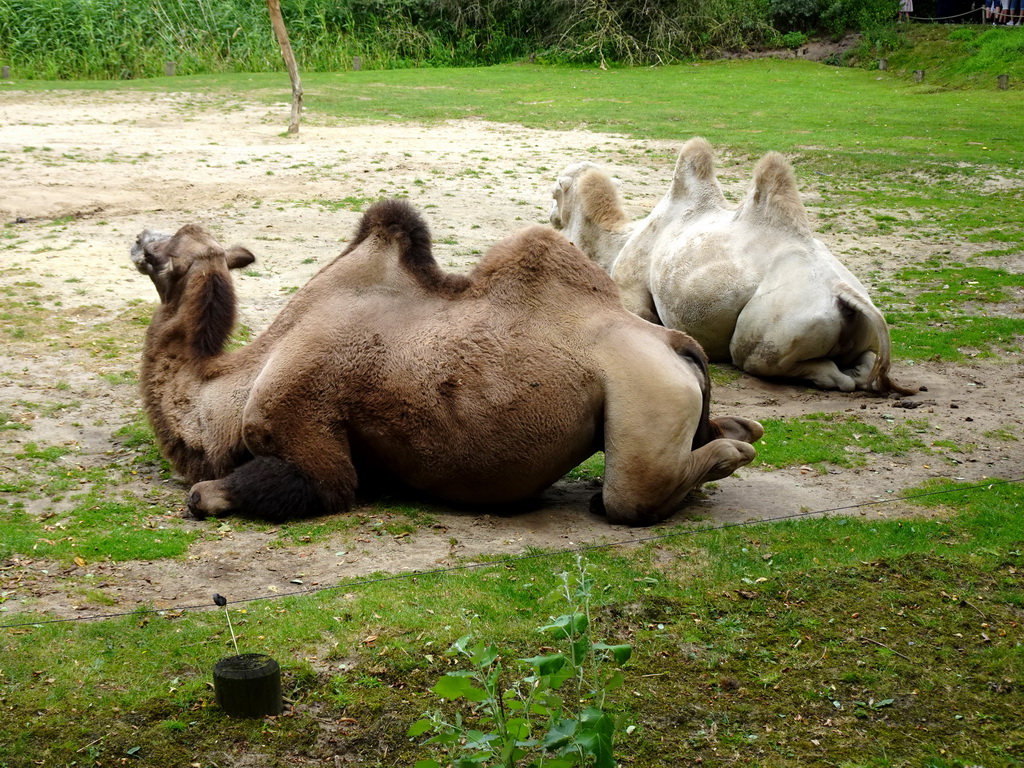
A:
(83, 173)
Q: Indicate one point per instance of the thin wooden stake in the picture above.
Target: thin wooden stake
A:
(277, 22)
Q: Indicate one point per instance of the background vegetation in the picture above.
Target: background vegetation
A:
(133, 38)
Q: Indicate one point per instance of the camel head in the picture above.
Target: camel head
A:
(585, 193)
(169, 259)
(587, 208)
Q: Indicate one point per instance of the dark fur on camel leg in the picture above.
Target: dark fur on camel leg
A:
(271, 489)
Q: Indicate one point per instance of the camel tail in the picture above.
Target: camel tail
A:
(396, 221)
(878, 379)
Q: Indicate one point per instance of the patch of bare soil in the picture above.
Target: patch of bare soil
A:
(820, 49)
(84, 173)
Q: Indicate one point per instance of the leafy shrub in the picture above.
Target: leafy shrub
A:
(793, 40)
(832, 16)
(133, 38)
(795, 14)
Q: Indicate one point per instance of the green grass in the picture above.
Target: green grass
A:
(97, 528)
(955, 311)
(818, 439)
(852, 633)
(968, 56)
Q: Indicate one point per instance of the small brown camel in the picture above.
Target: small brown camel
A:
(478, 389)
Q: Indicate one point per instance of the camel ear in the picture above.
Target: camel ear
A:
(565, 182)
(239, 257)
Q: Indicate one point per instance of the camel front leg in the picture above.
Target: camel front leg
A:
(266, 488)
(303, 473)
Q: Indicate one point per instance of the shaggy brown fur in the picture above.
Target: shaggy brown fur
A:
(479, 389)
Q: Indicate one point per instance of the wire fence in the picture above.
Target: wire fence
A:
(512, 560)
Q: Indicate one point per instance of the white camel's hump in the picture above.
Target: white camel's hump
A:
(774, 200)
(694, 178)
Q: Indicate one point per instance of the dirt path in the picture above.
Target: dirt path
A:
(84, 173)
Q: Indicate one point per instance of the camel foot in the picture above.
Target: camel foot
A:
(208, 499)
(729, 455)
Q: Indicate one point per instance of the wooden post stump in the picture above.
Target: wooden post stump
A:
(5, 72)
(248, 685)
(918, 75)
(170, 67)
(883, 64)
(1004, 82)
(357, 63)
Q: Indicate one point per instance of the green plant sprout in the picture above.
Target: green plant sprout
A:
(555, 716)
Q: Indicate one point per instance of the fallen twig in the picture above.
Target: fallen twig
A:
(883, 645)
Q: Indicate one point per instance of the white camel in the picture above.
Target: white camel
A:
(752, 284)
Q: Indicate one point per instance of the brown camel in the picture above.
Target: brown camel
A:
(478, 389)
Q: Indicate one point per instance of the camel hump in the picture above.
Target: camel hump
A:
(601, 199)
(773, 199)
(397, 222)
(694, 177)
(520, 267)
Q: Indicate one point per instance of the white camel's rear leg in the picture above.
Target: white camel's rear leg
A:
(860, 370)
(645, 497)
(822, 372)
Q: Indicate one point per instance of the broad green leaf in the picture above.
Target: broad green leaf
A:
(559, 734)
(453, 685)
(614, 681)
(419, 728)
(562, 762)
(557, 628)
(546, 665)
(578, 650)
(518, 728)
(580, 623)
(427, 764)
(484, 656)
(448, 739)
(595, 736)
(620, 653)
(479, 739)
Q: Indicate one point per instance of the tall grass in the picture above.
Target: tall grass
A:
(89, 39)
